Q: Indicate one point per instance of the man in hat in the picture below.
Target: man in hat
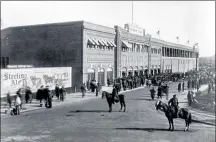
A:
(173, 102)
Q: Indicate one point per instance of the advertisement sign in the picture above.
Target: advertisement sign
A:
(13, 79)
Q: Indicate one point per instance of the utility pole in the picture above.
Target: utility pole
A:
(132, 12)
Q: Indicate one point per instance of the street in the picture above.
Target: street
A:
(90, 121)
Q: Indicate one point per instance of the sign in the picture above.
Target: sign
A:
(13, 79)
(19, 66)
(133, 29)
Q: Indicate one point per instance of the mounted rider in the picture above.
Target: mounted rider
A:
(173, 102)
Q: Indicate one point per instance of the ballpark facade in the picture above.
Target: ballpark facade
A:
(94, 51)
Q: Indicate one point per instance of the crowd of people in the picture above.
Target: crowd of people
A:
(193, 79)
(24, 96)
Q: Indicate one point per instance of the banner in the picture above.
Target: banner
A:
(13, 79)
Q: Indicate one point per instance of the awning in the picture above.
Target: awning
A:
(101, 42)
(113, 43)
(91, 42)
(104, 41)
(124, 43)
(95, 41)
(109, 43)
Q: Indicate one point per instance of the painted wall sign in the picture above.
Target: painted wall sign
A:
(13, 79)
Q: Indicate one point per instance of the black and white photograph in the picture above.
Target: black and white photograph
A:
(107, 71)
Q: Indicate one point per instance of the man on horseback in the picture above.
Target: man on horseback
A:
(173, 102)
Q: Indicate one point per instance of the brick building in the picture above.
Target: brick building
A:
(93, 51)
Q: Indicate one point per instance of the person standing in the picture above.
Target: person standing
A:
(57, 91)
(28, 95)
(83, 89)
(18, 103)
(159, 92)
(62, 92)
(167, 91)
(9, 99)
(183, 85)
(179, 87)
(48, 97)
(108, 81)
(40, 95)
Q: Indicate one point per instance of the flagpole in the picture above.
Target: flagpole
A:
(132, 12)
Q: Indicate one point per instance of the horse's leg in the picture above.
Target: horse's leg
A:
(169, 124)
(110, 105)
(120, 104)
(123, 101)
(172, 124)
(186, 123)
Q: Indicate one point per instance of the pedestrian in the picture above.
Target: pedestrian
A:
(179, 87)
(83, 89)
(48, 97)
(18, 103)
(159, 92)
(167, 91)
(108, 81)
(57, 91)
(62, 92)
(9, 99)
(189, 97)
(40, 95)
(88, 85)
(99, 86)
(28, 95)
(183, 85)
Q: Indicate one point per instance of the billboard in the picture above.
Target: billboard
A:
(13, 79)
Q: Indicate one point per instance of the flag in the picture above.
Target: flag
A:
(177, 37)
(188, 41)
(158, 32)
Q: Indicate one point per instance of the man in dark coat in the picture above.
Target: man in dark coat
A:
(28, 95)
(62, 93)
(183, 85)
(179, 87)
(40, 95)
(48, 97)
(159, 92)
(108, 81)
(173, 102)
(57, 91)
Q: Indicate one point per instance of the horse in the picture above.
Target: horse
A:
(170, 114)
(110, 100)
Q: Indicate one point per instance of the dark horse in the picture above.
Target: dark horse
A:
(170, 114)
(110, 100)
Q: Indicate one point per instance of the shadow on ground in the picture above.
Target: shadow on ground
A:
(141, 99)
(87, 111)
(202, 122)
(152, 129)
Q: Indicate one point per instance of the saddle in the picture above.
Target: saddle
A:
(176, 114)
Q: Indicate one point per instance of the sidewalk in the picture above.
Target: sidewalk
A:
(69, 98)
(197, 115)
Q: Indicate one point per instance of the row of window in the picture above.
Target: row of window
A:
(4, 62)
(137, 48)
(100, 47)
(170, 52)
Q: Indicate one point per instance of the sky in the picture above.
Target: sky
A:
(188, 20)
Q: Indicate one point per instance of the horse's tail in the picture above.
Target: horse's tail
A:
(189, 118)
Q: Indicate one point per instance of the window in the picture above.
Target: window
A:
(159, 51)
(4, 62)
(152, 50)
